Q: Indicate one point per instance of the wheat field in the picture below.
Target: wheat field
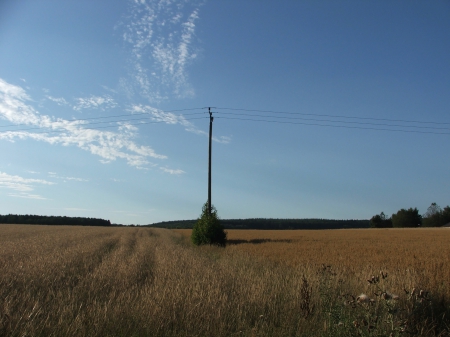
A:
(100, 281)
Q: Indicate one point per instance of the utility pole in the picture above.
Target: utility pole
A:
(211, 118)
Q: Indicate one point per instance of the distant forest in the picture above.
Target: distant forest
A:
(51, 220)
(271, 224)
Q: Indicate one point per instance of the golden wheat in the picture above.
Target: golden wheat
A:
(424, 252)
(90, 281)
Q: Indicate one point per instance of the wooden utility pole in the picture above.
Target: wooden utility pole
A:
(211, 118)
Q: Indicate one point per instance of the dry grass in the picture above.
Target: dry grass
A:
(88, 281)
(423, 252)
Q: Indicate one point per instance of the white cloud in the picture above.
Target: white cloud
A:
(21, 186)
(58, 100)
(171, 118)
(159, 115)
(55, 176)
(95, 102)
(224, 139)
(160, 34)
(27, 196)
(126, 127)
(171, 171)
(74, 179)
(109, 89)
(109, 145)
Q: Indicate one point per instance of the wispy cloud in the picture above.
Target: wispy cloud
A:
(95, 102)
(160, 34)
(57, 100)
(171, 118)
(74, 179)
(171, 171)
(160, 116)
(27, 196)
(65, 179)
(109, 145)
(21, 186)
(223, 139)
(109, 89)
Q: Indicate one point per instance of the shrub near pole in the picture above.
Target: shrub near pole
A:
(208, 229)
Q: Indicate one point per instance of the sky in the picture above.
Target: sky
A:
(322, 109)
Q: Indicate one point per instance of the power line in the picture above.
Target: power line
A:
(270, 116)
(337, 121)
(335, 126)
(82, 128)
(116, 116)
(334, 116)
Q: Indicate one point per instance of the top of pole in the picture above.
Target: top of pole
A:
(211, 118)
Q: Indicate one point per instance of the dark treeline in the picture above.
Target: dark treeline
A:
(435, 216)
(271, 224)
(52, 220)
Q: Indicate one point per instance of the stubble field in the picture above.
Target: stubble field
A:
(97, 281)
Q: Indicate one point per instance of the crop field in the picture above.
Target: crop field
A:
(117, 281)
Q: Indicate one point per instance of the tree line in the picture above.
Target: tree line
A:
(52, 220)
(435, 216)
(268, 223)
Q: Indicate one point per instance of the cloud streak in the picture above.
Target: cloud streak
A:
(21, 186)
(57, 100)
(171, 171)
(65, 179)
(171, 118)
(109, 145)
(160, 34)
(95, 102)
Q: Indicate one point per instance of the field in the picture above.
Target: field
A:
(100, 281)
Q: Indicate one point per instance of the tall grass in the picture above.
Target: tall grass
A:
(80, 281)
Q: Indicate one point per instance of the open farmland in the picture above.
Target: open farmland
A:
(99, 281)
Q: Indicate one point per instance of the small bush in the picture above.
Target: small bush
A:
(208, 230)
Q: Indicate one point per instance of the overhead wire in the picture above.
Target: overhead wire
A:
(333, 116)
(267, 116)
(115, 116)
(85, 126)
(335, 126)
(82, 128)
(337, 121)
(363, 123)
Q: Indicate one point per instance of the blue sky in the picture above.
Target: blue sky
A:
(322, 109)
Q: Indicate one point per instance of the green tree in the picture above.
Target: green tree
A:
(407, 218)
(380, 221)
(446, 215)
(436, 216)
(433, 216)
(208, 229)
